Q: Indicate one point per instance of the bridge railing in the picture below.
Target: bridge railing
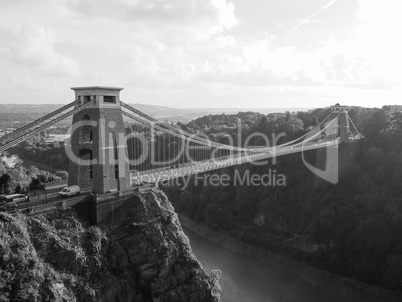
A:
(165, 173)
(54, 184)
(112, 195)
(59, 204)
(43, 199)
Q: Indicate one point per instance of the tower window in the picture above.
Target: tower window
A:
(87, 98)
(116, 154)
(116, 171)
(109, 99)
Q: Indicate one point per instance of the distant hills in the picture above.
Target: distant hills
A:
(17, 108)
(189, 114)
(13, 113)
(24, 113)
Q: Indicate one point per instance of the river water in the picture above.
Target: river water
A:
(246, 280)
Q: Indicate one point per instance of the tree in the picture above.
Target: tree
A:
(2, 168)
(62, 174)
(264, 125)
(5, 183)
(379, 121)
(396, 122)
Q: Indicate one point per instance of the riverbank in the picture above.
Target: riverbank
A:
(342, 285)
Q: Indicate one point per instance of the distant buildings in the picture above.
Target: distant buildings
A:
(5, 131)
(51, 138)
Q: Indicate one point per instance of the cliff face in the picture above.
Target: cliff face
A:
(56, 257)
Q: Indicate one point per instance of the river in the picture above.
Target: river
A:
(246, 280)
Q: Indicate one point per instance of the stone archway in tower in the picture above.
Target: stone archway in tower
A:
(85, 167)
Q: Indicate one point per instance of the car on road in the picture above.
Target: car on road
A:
(70, 191)
(9, 203)
(10, 206)
(17, 198)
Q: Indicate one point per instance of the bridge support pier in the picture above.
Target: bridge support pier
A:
(111, 209)
(341, 114)
(334, 162)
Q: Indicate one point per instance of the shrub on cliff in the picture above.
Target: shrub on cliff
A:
(48, 258)
(22, 274)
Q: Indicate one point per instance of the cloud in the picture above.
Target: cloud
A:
(33, 47)
(197, 49)
(202, 16)
(376, 38)
(263, 63)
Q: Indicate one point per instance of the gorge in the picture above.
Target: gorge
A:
(60, 257)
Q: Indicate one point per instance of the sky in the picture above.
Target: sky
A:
(204, 53)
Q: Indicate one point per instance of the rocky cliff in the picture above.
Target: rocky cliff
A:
(57, 257)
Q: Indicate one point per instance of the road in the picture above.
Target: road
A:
(49, 198)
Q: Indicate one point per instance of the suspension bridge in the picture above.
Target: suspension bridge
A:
(106, 155)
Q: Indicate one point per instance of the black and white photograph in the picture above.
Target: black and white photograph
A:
(200, 151)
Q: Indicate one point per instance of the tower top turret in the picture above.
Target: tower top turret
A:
(104, 95)
(338, 108)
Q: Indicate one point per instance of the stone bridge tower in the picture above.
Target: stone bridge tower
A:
(97, 152)
(343, 130)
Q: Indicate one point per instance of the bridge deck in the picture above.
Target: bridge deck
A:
(157, 175)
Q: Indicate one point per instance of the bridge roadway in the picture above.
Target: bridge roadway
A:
(52, 201)
(167, 173)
